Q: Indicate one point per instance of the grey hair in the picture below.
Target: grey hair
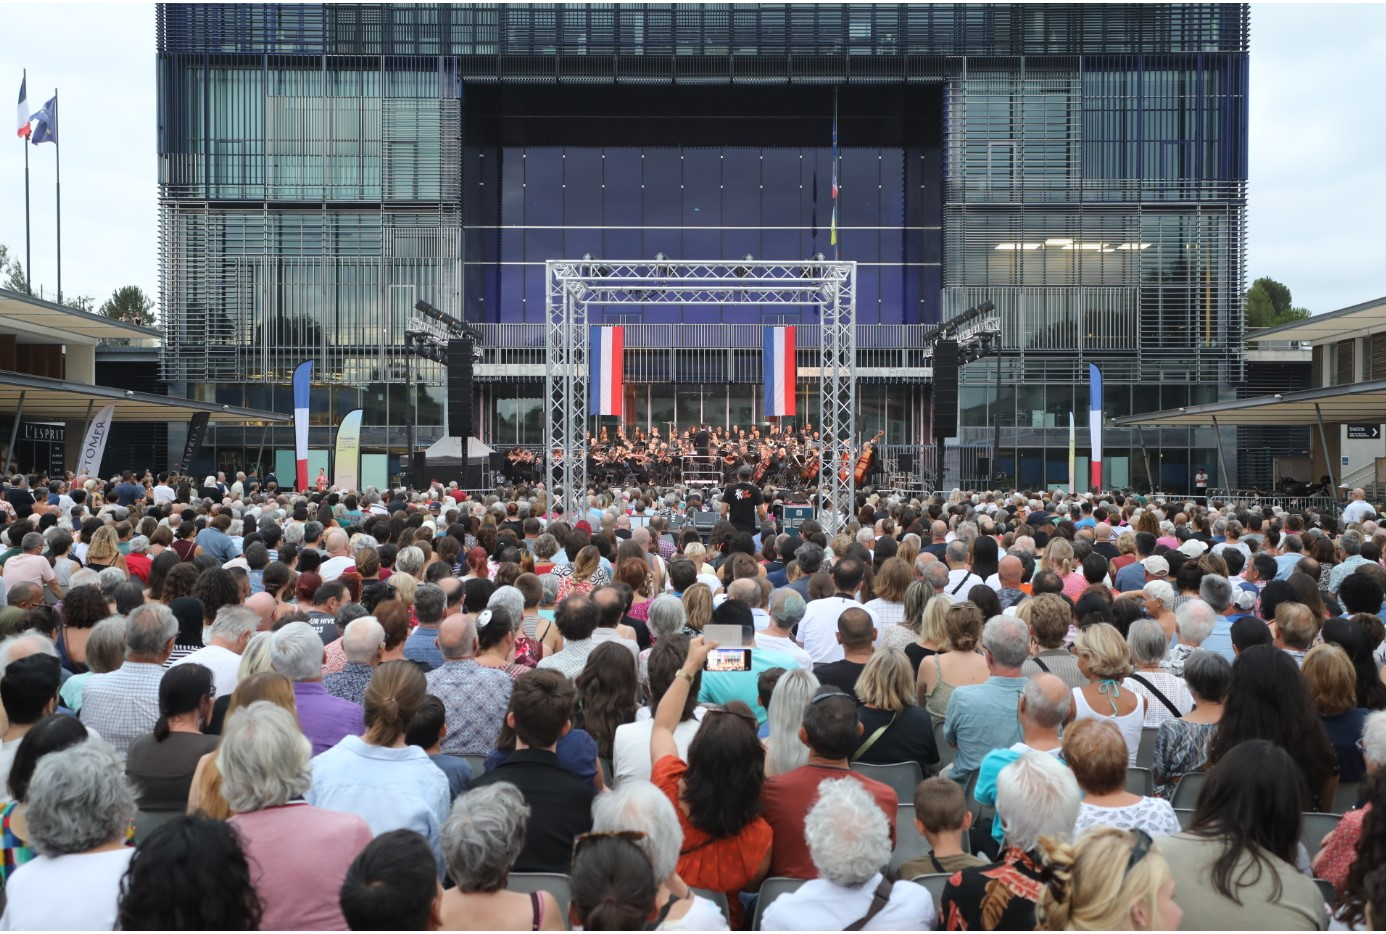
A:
(545, 546)
(148, 628)
(296, 652)
(1374, 737)
(293, 534)
(847, 835)
(42, 646)
(32, 540)
(787, 607)
(361, 639)
(640, 806)
(746, 590)
(79, 799)
(1159, 590)
(255, 658)
(110, 578)
(1008, 640)
(666, 616)
(483, 836)
(956, 550)
(1039, 706)
(409, 560)
(232, 622)
(1036, 796)
(936, 573)
(362, 542)
(509, 598)
(263, 757)
(140, 543)
(865, 536)
(549, 584)
(1207, 675)
(1196, 618)
(1351, 542)
(1148, 642)
(792, 694)
(105, 645)
(1215, 590)
(430, 602)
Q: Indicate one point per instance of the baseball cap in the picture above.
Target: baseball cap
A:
(1193, 548)
(1155, 565)
(1243, 599)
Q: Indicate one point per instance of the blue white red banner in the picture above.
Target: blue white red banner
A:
(303, 381)
(607, 370)
(1095, 423)
(781, 371)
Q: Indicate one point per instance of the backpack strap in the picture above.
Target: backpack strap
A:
(877, 734)
(1159, 695)
(879, 899)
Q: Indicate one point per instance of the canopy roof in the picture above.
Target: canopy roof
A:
(61, 399)
(32, 318)
(1353, 321)
(1362, 402)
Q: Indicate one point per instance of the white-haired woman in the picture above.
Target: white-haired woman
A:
(784, 751)
(482, 837)
(79, 808)
(1158, 598)
(666, 618)
(640, 807)
(1162, 689)
(849, 841)
(264, 764)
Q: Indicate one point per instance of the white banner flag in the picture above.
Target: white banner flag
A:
(94, 444)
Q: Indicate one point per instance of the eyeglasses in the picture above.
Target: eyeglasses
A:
(827, 694)
(587, 839)
(1138, 852)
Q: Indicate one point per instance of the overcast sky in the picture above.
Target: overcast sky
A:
(1317, 143)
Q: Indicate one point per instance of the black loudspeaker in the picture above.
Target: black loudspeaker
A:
(945, 393)
(418, 470)
(460, 403)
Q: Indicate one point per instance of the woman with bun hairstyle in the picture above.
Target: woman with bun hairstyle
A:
(1110, 880)
(378, 776)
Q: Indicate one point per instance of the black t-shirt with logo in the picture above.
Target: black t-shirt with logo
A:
(744, 500)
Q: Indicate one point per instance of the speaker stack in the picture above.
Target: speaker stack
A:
(945, 394)
(460, 403)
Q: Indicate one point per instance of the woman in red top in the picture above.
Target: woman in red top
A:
(726, 843)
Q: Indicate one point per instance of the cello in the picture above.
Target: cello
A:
(864, 461)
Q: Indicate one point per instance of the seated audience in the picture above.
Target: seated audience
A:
(982, 717)
(393, 885)
(613, 885)
(894, 727)
(941, 817)
(1096, 752)
(1181, 746)
(1110, 880)
(190, 875)
(161, 764)
(1105, 660)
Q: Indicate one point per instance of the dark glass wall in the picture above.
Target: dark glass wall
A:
(705, 173)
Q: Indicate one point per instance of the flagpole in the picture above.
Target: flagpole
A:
(58, 189)
(28, 244)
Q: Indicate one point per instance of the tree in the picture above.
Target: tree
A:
(1268, 304)
(13, 272)
(129, 303)
(80, 302)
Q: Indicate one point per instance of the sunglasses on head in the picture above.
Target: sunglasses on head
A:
(1138, 852)
(587, 839)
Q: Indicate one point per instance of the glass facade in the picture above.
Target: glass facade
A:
(1081, 166)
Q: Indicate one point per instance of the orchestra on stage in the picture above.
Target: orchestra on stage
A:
(781, 457)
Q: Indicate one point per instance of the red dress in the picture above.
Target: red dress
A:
(722, 864)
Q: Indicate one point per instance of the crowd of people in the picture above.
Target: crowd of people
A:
(227, 706)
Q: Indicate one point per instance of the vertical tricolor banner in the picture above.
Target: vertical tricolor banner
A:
(1095, 423)
(303, 380)
(781, 371)
(348, 459)
(607, 370)
(1072, 456)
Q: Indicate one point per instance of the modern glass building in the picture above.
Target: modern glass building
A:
(1081, 166)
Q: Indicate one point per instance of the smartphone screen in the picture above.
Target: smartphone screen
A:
(728, 660)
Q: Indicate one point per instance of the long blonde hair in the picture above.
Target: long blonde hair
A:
(697, 605)
(1090, 886)
(887, 682)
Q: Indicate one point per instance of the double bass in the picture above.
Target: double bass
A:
(864, 461)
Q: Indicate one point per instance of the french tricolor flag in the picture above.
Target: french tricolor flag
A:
(607, 370)
(1095, 424)
(303, 395)
(781, 371)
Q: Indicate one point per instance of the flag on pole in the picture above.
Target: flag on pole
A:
(607, 370)
(25, 116)
(94, 444)
(46, 129)
(348, 459)
(1095, 423)
(303, 381)
(1072, 455)
(832, 237)
(781, 371)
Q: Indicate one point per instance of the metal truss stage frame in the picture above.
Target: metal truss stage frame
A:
(573, 286)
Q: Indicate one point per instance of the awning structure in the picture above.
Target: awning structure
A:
(60, 399)
(1354, 321)
(34, 318)
(1361, 402)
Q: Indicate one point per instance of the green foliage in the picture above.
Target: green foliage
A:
(80, 302)
(129, 303)
(12, 271)
(1269, 304)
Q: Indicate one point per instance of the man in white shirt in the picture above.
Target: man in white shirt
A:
(230, 632)
(818, 628)
(1358, 509)
(786, 610)
(162, 492)
(340, 558)
(960, 576)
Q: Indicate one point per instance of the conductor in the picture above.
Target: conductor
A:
(742, 503)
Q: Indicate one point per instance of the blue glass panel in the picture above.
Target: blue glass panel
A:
(779, 244)
(868, 295)
(512, 187)
(512, 287)
(621, 243)
(892, 295)
(704, 244)
(864, 246)
(702, 187)
(741, 187)
(543, 181)
(859, 197)
(892, 245)
(580, 240)
(663, 176)
(543, 244)
(535, 295)
(740, 241)
(582, 187)
(780, 194)
(622, 200)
